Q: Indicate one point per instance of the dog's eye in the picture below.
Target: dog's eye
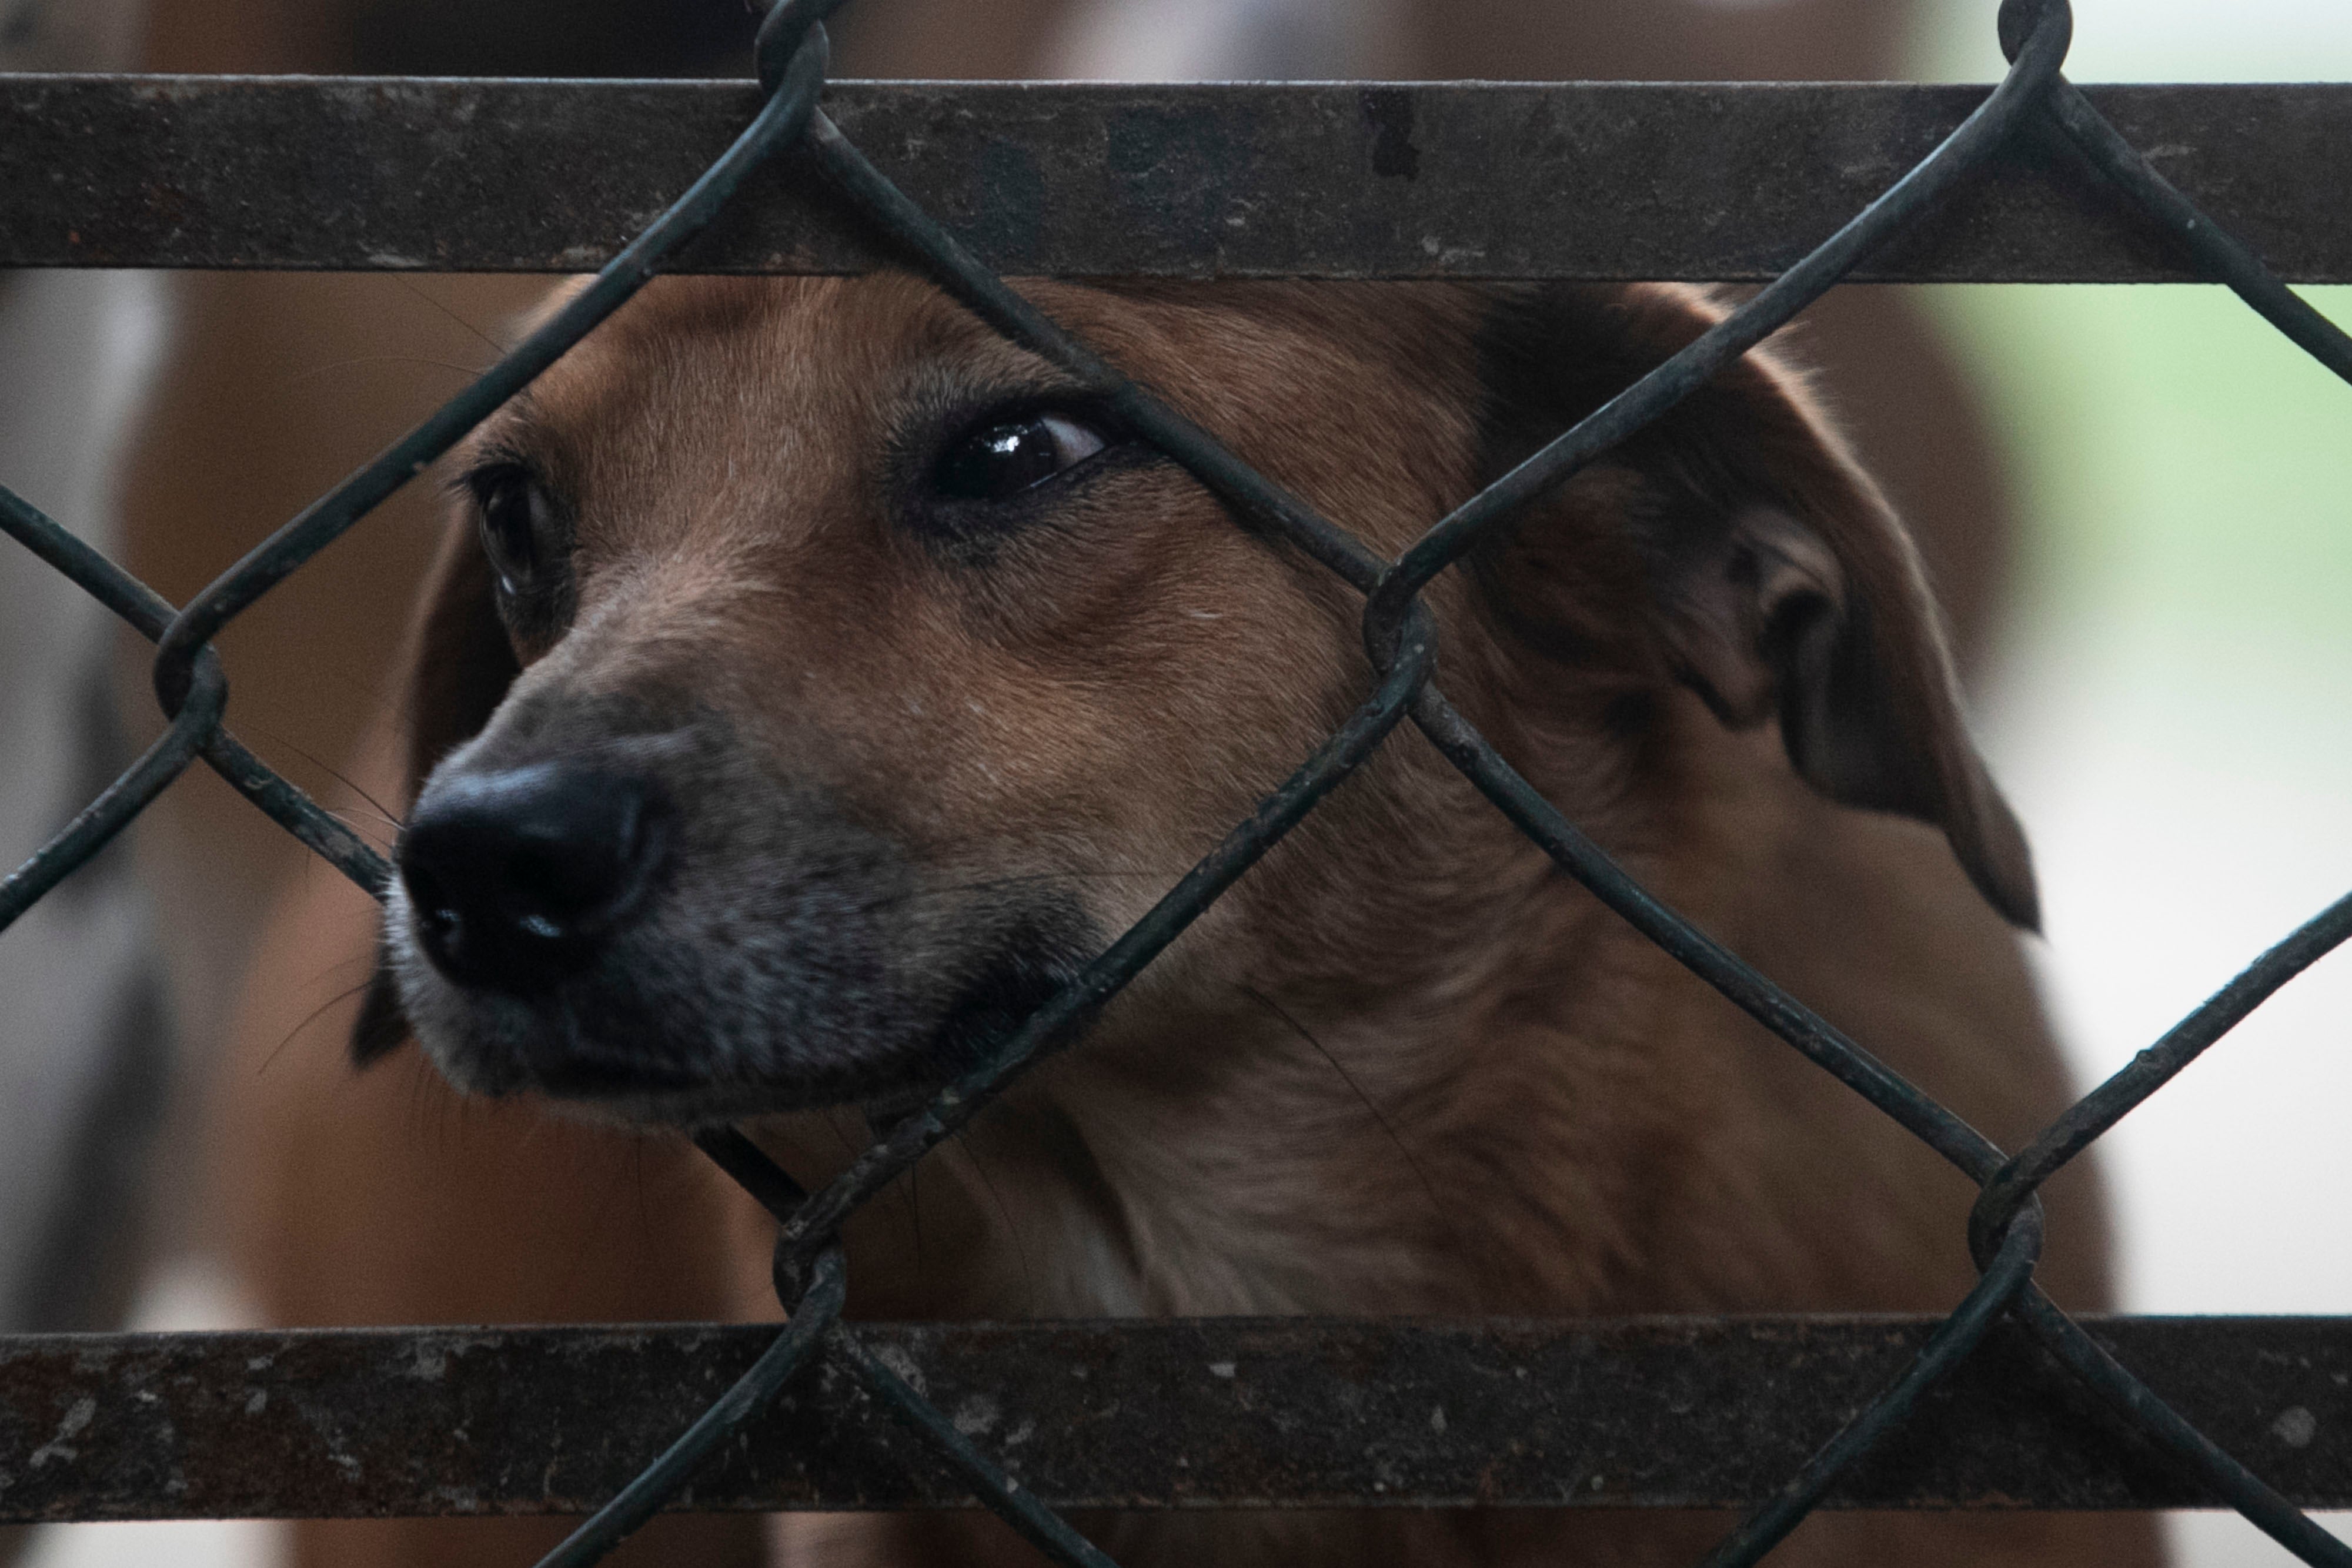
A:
(1000, 461)
(519, 525)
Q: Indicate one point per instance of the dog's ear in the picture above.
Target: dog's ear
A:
(460, 665)
(1776, 582)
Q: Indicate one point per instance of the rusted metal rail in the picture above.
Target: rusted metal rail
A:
(1610, 180)
(1659, 1413)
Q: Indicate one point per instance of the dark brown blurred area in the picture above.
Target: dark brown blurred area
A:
(453, 37)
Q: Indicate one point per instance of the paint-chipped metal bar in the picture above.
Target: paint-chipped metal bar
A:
(1611, 180)
(1656, 1413)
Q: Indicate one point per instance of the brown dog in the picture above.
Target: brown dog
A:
(812, 679)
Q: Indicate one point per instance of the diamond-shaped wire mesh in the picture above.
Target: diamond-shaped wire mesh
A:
(2005, 1226)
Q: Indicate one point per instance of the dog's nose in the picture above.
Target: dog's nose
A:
(518, 878)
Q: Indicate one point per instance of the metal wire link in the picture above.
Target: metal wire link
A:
(2005, 1224)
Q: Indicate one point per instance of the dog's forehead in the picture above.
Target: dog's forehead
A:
(713, 356)
(714, 348)
(776, 400)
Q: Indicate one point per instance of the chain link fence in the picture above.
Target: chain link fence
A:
(2005, 1226)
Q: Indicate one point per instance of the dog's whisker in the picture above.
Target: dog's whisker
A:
(498, 350)
(301, 377)
(1429, 1189)
(378, 833)
(1004, 1211)
(313, 1016)
(903, 1200)
(384, 813)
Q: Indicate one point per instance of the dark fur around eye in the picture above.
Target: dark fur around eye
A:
(969, 477)
(526, 533)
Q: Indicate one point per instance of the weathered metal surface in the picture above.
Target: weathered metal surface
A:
(1656, 1413)
(1597, 181)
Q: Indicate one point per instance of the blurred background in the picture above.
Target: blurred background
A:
(2168, 704)
(2161, 682)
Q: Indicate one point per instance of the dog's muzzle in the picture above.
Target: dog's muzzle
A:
(654, 921)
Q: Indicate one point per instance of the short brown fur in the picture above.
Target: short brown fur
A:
(1406, 1066)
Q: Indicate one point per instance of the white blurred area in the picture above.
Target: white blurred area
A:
(2171, 717)
(2158, 40)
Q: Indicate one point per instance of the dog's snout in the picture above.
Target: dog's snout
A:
(518, 878)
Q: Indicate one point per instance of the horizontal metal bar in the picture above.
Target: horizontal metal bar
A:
(1648, 1413)
(1462, 180)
